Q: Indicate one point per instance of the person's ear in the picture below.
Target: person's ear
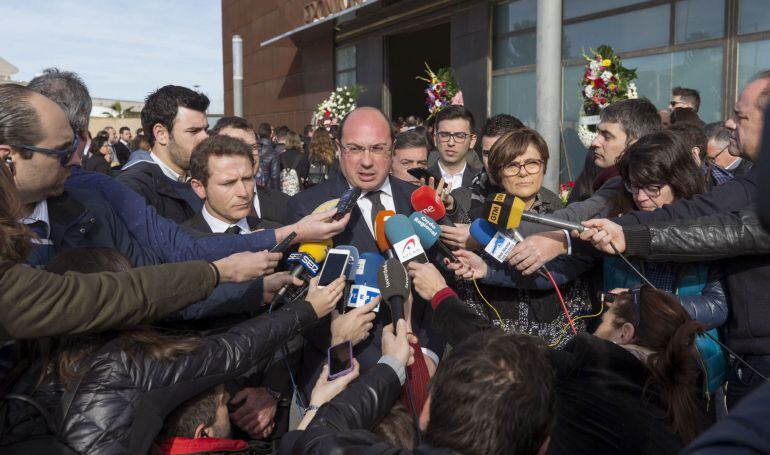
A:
(473, 141)
(6, 155)
(696, 154)
(161, 134)
(627, 333)
(200, 431)
(425, 415)
(199, 188)
(544, 447)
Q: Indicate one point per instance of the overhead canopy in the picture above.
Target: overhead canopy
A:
(328, 18)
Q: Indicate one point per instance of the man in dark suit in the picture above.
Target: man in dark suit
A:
(366, 145)
(269, 204)
(123, 146)
(455, 138)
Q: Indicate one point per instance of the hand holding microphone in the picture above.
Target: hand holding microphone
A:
(427, 279)
(429, 234)
(505, 211)
(425, 200)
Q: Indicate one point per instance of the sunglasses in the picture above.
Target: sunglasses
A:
(64, 155)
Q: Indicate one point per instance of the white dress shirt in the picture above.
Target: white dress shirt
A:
(454, 180)
(167, 171)
(386, 197)
(257, 208)
(218, 226)
(40, 213)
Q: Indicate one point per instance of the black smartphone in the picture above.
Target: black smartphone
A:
(420, 173)
(346, 203)
(340, 358)
(335, 265)
(284, 245)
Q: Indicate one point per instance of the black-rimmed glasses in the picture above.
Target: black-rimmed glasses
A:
(64, 155)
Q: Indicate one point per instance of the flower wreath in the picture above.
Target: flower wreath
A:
(440, 90)
(339, 104)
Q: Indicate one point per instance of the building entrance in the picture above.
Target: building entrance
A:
(407, 55)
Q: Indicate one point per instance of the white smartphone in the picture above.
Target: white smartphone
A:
(334, 266)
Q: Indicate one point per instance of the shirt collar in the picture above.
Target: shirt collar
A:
(445, 173)
(385, 188)
(167, 171)
(39, 213)
(734, 164)
(218, 226)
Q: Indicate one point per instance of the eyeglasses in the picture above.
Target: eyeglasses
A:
(713, 159)
(459, 137)
(649, 190)
(379, 150)
(514, 169)
(64, 155)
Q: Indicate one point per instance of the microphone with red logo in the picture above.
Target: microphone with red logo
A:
(379, 233)
(405, 242)
(425, 200)
(430, 235)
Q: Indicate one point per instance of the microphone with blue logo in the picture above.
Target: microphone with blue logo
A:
(497, 244)
(305, 262)
(365, 287)
(404, 241)
(429, 233)
(350, 273)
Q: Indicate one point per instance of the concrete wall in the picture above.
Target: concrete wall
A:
(97, 124)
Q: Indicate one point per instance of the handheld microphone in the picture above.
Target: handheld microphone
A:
(428, 232)
(394, 287)
(496, 243)
(406, 244)
(365, 287)
(506, 212)
(425, 200)
(379, 232)
(306, 259)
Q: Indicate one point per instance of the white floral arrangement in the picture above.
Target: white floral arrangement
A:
(339, 104)
(604, 81)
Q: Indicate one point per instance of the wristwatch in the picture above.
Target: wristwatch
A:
(311, 407)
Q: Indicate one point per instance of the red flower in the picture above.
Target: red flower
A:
(602, 100)
(598, 82)
(571, 184)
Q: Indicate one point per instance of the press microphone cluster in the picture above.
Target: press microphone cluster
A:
(507, 212)
(365, 286)
(497, 244)
(405, 243)
(379, 233)
(305, 263)
(429, 234)
(425, 200)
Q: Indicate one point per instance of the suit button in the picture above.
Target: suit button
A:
(82, 230)
(92, 220)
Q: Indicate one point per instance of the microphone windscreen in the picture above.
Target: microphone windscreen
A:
(365, 288)
(482, 231)
(397, 228)
(352, 266)
(426, 229)
(379, 229)
(316, 250)
(503, 211)
(424, 200)
(393, 280)
(328, 205)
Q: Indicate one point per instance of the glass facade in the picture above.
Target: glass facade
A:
(345, 66)
(675, 43)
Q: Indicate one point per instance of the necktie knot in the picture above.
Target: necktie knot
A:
(233, 230)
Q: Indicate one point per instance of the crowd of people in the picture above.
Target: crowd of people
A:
(160, 294)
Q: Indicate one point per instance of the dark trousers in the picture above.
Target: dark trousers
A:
(743, 381)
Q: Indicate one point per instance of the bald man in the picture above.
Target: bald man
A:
(366, 147)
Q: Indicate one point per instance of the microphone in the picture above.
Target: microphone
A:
(306, 259)
(379, 232)
(496, 243)
(365, 287)
(394, 287)
(350, 270)
(506, 212)
(425, 200)
(428, 232)
(406, 244)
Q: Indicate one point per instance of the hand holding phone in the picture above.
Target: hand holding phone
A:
(335, 266)
(346, 202)
(340, 359)
(423, 175)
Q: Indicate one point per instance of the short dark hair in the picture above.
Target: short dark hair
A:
(264, 130)
(454, 112)
(281, 132)
(501, 124)
(184, 420)
(494, 394)
(238, 123)
(718, 132)
(693, 135)
(162, 105)
(124, 128)
(97, 143)
(662, 158)
(511, 146)
(217, 145)
(140, 142)
(68, 90)
(410, 139)
(691, 95)
(637, 117)
(19, 123)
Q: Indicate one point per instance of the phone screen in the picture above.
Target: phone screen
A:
(339, 358)
(333, 268)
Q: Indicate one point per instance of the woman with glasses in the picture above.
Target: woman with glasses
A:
(100, 157)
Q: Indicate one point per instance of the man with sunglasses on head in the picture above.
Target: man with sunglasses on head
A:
(455, 138)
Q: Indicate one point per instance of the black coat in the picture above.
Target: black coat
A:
(197, 225)
(468, 176)
(173, 200)
(96, 163)
(122, 400)
(272, 204)
(122, 152)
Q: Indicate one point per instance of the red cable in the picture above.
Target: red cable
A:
(561, 299)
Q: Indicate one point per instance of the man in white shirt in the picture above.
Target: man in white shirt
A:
(455, 139)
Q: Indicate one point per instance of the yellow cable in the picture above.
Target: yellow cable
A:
(488, 304)
(566, 327)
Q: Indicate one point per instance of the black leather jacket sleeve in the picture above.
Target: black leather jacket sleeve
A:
(710, 307)
(344, 424)
(706, 238)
